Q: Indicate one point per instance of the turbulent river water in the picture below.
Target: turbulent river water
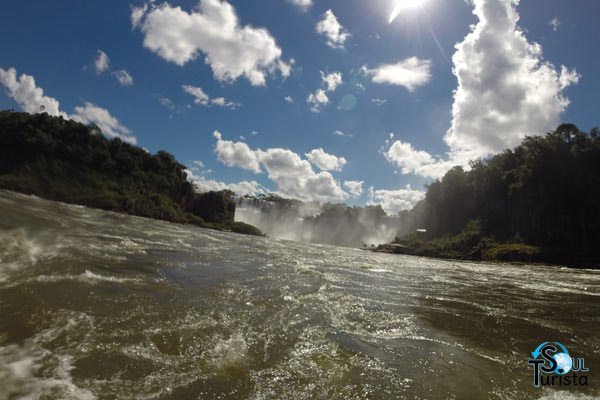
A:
(100, 305)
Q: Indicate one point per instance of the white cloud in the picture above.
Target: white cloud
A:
(137, 13)
(109, 125)
(335, 33)
(289, 99)
(317, 100)
(410, 73)
(124, 77)
(199, 96)
(303, 5)
(240, 188)
(221, 102)
(506, 91)
(166, 102)
(102, 62)
(325, 161)
(555, 23)
(293, 175)
(394, 201)
(378, 102)
(198, 163)
(354, 187)
(340, 133)
(416, 162)
(213, 30)
(236, 154)
(31, 99)
(28, 96)
(203, 99)
(332, 80)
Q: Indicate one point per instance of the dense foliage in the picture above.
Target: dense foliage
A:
(63, 160)
(538, 201)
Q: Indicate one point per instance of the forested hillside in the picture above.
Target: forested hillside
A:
(539, 201)
(64, 160)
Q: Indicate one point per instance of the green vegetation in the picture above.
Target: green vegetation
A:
(538, 202)
(469, 244)
(63, 160)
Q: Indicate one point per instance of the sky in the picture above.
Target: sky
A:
(355, 101)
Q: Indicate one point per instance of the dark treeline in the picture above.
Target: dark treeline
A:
(64, 160)
(539, 201)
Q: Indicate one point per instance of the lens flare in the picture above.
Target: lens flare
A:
(404, 5)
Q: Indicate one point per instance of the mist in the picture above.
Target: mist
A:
(335, 224)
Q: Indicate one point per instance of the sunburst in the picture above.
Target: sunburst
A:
(401, 6)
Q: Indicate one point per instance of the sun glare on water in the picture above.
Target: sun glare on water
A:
(404, 5)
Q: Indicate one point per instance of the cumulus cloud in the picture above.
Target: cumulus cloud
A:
(293, 176)
(303, 5)
(354, 188)
(325, 161)
(28, 96)
(394, 201)
(240, 188)
(333, 31)
(101, 63)
(289, 99)
(506, 91)
(213, 30)
(317, 100)
(200, 97)
(124, 77)
(236, 154)
(31, 99)
(378, 102)
(410, 73)
(416, 162)
(555, 23)
(109, 125)
(332, 80)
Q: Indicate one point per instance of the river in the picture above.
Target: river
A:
(101, 305)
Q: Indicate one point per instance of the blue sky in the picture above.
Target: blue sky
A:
(318, 100)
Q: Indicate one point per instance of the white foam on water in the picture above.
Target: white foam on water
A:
(228, 352)
(559, 287)
(87, 277)
(30, 371)
(90, 277)
(19, 249)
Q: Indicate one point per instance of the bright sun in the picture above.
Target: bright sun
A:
(404, 5)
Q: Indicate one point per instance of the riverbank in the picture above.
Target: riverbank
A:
(472, 245)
